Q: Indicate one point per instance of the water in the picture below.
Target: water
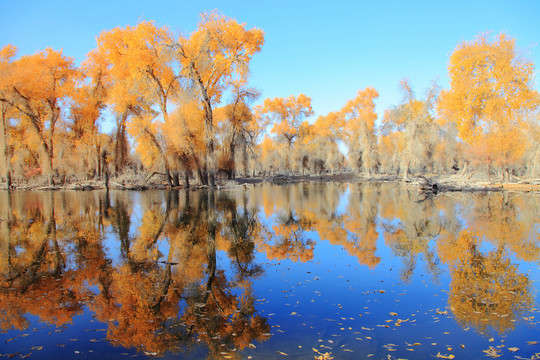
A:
(299, 271)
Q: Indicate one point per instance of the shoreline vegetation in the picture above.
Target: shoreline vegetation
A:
(428, 184)
(185, 113)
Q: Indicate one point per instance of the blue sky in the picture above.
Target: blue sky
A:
(327, 50)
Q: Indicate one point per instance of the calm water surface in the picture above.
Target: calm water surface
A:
(348, 271)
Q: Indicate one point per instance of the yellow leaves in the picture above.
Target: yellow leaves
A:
(218, 49)
(288, 114)
(7, 53)
(493, 352)
(44, 76)
(138, 61)
(443, 356)
(490, 84)
(360, 112)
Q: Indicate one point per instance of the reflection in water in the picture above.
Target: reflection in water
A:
(486, 289)
(166, 288)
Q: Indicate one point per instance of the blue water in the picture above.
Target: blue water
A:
(347, 270)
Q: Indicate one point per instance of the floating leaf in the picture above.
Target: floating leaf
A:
(493, 352)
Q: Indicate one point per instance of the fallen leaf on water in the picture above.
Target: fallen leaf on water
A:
(444, 356)
(393, 314)
(513, 349)
(493, 352)
(282, 353)
(532, 342)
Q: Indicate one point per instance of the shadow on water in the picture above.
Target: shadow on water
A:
(178, 271)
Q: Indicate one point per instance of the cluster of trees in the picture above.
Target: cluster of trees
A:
(185, 104)
(168, 289)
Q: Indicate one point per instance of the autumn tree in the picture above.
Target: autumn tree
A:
(234, 121)
(491, 92)
(414, 121)
(319, 143)
(37, 86)
(143, 74)
(88, 102)
(6, 110)
(184, 136)
(211, 56)
(287, 114)
(360, 116)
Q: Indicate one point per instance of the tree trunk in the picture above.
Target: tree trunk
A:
(406, 171)
(121, 146)
(506, 174)
(168, 173)
(245, 160)
(104, 169)
(288, 159)
(99, 172)
(465, 168)
(5, 152)
(50, 164)
(186, 179)
(203, 176)
(232, 160)
(175, 179)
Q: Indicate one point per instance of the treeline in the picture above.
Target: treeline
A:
(184, 103)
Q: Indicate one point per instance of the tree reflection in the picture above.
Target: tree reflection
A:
(486, 292)
(35, 280)
(410, 225)
(167, 291)
(163, 286)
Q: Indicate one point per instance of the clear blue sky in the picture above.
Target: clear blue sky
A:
(327, 50)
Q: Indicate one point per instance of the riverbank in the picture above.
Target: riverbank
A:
(426, 183)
